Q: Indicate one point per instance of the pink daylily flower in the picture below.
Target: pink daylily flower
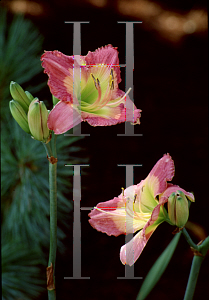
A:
(138, 208)
(87, 87)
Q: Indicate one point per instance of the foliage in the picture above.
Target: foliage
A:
(21, 276)
(24, 182)
(158, 268)
(20, 49)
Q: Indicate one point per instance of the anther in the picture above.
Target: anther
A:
(98, 83)
(94, 79)
(111, 80)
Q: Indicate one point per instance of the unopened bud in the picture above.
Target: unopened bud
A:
(54, 100)
(30, 97)
(19, 95)
(37, 119)
(19, 115)
(178, 209)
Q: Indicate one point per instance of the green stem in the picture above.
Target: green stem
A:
(194, 272)
(48, 148)
(188, 239)
(204, 246)
(196, 264)
(52, 295)
(53, 215)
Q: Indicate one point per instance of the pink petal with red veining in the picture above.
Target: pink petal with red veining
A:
(58, 66)
(116, 115)
(129, 113)
(113, 118)
(99, 121)
(63, 117)
(111, 221)
(162, 172)
(115, 217)
(172, 189)
(154, 218)
(131, 251)
(105, 55)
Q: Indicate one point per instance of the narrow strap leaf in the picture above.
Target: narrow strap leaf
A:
(158, 268)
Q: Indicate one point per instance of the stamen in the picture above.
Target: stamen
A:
(122, 191)
(136, 215)
(111, 80)
(98, 84)
(114, 213)
(94, 79)
(94, 106)
(103, 102)
(120, 100)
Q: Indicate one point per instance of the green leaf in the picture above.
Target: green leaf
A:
(22, 277)
(25, 186)
(20, 51)
(158, 269)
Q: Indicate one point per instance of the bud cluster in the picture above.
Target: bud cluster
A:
(30, 113)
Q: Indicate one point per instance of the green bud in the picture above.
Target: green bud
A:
(30, 97)
(19, 115)
(178, 208)
(55, 100)
(37, 119)
(19, 95)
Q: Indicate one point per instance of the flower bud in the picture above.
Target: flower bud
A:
(37, 119)
(19, 115)
(178, 209)
(54, 100)
(30, 97)
(19, 95)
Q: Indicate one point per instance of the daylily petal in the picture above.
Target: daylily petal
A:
(107, 55)
(58, 66)
(172, 189)
(156, 219)
(155, 183)
(63, 117)
(129, 113)
(106, 116)
(131, 251)
(112, 218)
(162, 172)
(99, 121)
(110, 115)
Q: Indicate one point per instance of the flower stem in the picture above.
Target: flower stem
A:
(194, 272)
(53, 221)
(48, 148)
(200, 251)
(188, 239)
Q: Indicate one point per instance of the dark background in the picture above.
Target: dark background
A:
(170, 86)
